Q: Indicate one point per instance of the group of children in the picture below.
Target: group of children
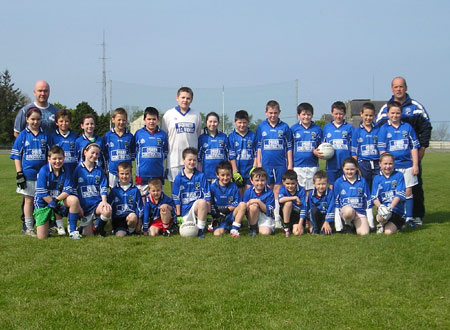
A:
(271, 177)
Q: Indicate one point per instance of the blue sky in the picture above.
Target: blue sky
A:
(338, 50)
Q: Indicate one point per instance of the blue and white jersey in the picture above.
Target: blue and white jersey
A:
(151, 150)
(211, 151)
(151, 209)
(83, 140)
(186, 191)
(89, 186)
(399, 142)
(243, 150)
(118, 149)
(123, 202)
(341, 140)
(47, 118)
(68, 143)
(300, 193)
(356, 194)
(305, 141)
(325, 203)
(385, 189)
(224, 195)
(266, 196)
(274, 142)
(365, 143)
(31, 150)
(50, 184)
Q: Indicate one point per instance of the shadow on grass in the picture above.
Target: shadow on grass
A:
(437, 217)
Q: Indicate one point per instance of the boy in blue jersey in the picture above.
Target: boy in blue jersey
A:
(89, 136)
(306, 138)
(91, 187)
(126, 202)
(212, 147)
(190, 193)
(260, 203)
(352, 199)
(225, 202)
(242, 146)
(292, 199)
(65, 138)
(159, 211)
(339, 134)
(151, 150)
(321, 205)
(53, 199)
(29, 154)
(119, 145)
(274, 150)
(364, 144)
(399, 139)
(388, 195)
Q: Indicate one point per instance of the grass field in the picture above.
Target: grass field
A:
(338, 282)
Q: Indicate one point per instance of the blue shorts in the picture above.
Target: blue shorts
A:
(369, 168)
(275, 175)
(333, 175)
(119, 224)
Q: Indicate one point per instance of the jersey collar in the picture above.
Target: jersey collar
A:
(179, 110)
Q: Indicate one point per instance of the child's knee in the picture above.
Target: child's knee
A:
(347, 213)
(132, 219)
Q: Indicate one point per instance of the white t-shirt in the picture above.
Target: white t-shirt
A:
(182, 131)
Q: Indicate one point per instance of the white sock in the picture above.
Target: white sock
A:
(29, 222)
(60, 223)
(104, 218)
(131, 230)
(277, 210)
(201, 224)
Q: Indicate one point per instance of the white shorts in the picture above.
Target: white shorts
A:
(143, 188)
(305, 176)
(29, 190)
(172, 172)
(112, 180)
(266, 221)
(190, 216)
(410, 180)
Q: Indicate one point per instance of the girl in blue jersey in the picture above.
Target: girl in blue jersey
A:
(388, 193)
(91, 186)
(212, 147)
(89, 135)
(29, 153)
(352, 199)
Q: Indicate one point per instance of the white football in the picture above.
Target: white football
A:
(188, 229)
(327, 150)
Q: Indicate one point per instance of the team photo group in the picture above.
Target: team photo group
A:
(261, 181)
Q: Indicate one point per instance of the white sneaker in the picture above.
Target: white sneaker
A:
(380, 229)
(278, 224)
(75, 235)
(418, 221)
(30, 232)
(234, 233)
(61, 231)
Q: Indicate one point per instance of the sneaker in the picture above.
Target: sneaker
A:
(410, 223)
(286, 232)
(210, 228)
(380, 229)
(418, 221)
(278, 224)
(201, 234)
(75, 235)
(234, 233)
(253, 232)
(30, 232)
(61, 231)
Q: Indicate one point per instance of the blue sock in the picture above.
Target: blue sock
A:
(73, 219)
(409, 207)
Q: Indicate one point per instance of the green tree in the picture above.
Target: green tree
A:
(11, 101)
(320, 122)
(82, 109)
(103, 124)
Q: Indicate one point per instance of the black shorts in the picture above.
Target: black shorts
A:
(397, 220)
(119, 224)
(295, 217)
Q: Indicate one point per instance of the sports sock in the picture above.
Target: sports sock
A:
(409, 205)
(131, 230)
(236, 225)
(60, 223)
(73, 219)
(165, 226)
(277, 210)
(201, 224)
(29, 222)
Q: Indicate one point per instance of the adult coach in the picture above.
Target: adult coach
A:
(41, 93)
(183, 127)
(415, 114)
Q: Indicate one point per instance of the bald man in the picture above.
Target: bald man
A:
(415, 114)
(41, 93)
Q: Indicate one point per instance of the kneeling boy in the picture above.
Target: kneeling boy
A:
(190, 193)
(53, 197)
(159, 211)
(321, 205)
(126, 202)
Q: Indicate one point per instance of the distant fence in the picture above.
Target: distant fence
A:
(440, 146)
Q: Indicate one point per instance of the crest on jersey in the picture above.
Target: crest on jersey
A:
(324, 205)
(389, 135)
(343, 192)
(130, 199)
(360, 139)
(72, 145)
(249, 143)
(344, 134)
(205, 145)
(126, 144)
(408, 110)
(60, 185)
(394, 184)
(404, 134)
(111, 144)
(264, 133)
(236, 144)
(360, 191)
(158, 141)
(43, 142)
(313, 135)
(197, 185)
(220, 143)
(297, 135)
(230, 199)
(80, 180)
(328, 135)
(375, 138)
(142, 140)
(97, 179)
(280, 133)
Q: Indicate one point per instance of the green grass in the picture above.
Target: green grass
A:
(338, 282)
